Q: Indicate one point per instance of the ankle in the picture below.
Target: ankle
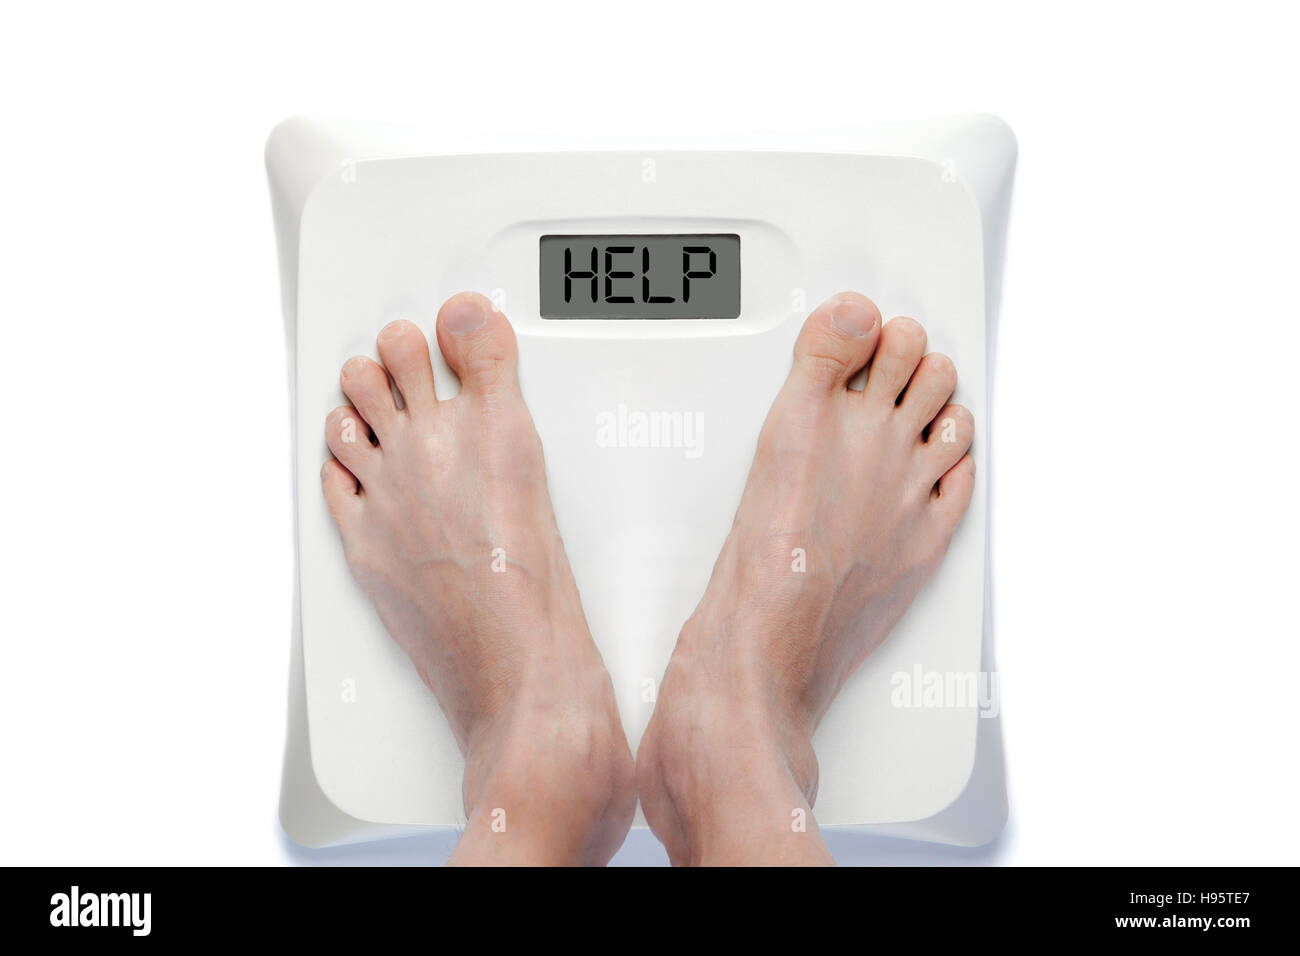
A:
(746, 686)
(559, 780)
(723, 764)
(721, 793)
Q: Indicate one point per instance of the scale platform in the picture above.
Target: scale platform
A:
(376, 223)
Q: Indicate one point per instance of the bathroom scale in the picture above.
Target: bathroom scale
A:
(656, 292)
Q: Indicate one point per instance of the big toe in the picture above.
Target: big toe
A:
(837, 341)
(477, 342)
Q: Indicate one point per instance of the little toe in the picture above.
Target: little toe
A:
(952, 496)
(341, 491)
(836, 342)
(902, 343)
(405, 353)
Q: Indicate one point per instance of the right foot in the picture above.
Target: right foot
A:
(447, 525)
(868, 486)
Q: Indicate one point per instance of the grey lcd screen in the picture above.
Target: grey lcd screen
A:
(640, 277)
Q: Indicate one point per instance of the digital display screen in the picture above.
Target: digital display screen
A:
(640, 277)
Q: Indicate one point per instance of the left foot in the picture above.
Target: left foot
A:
(447, 525)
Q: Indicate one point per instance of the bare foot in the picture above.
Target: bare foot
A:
(447, 525)
(871, 487)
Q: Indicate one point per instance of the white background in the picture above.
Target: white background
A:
(1146, 432)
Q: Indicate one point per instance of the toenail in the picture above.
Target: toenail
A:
(464, 315)
(853, 318)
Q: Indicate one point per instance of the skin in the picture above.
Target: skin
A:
(860, 480)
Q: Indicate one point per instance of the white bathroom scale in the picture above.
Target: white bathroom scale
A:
(656, 293)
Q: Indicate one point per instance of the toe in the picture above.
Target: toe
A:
(931, 386)
(341, 494)
(348, 438)
(365, 383)
(902, 343)
(837, 340)
(947, 440)
(952, 497)
(405, 353)
(478, 343)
